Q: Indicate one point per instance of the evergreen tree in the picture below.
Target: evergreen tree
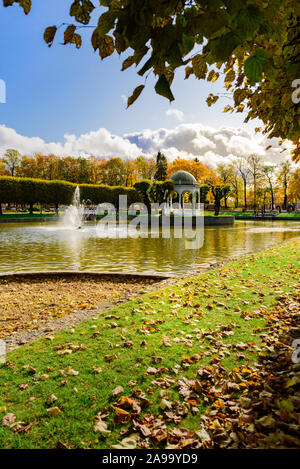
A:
(161, 167)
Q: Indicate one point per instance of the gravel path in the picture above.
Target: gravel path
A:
(34, 307)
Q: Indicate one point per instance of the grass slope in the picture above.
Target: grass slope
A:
(141, 345)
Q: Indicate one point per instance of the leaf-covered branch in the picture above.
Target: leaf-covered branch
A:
(253, 44)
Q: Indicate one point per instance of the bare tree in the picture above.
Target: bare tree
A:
(269, 172)
(244, 170)
(225, 174)
(284, 177)
(235, 182)
(254, 162)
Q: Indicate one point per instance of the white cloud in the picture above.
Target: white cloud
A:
(176, 113)
(209, 145)
(99, 143)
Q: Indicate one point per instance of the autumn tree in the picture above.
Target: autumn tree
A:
(114, 172)
(195, 167)
(130, 173)
(294, 186)
(3, 170)
(262, 197)
(12, 159)
(144, 167)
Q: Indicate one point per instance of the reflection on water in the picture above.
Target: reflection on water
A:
(26, 247)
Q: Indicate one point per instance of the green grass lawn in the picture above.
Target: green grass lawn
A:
(11, 215)
(289, 215)
(221, 214)
(145, 346)
(279, 215)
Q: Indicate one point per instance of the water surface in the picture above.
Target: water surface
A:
(25, 247)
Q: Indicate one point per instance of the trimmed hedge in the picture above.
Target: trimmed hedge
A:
(31, 191)
(154, 191)
(99, 194)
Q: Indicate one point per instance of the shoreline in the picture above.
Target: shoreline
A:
(159, 282)
(209, 220)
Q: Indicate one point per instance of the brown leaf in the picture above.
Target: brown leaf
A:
(8, 419)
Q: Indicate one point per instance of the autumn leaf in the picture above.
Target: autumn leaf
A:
(162, 87)
(106, 47)
(135, 95)
(49, 35)
(128, 62)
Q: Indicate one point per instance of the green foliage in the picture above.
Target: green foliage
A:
(253, 66)
(219, 191)
(114, 172)
(159, 191)
(204, 191)
(162, 87)
(59, 192)
(12, 159)
(30, 191)
(8, 189)
(154, 191)
(161, 167)
(143, 188)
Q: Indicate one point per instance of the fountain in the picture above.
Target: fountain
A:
(74, 215)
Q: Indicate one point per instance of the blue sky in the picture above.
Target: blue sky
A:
(58, 90)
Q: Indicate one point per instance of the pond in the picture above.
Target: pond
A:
(45, 246)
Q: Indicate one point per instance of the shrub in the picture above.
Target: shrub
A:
(31, 191)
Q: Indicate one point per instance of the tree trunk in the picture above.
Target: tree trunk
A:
(0, 208)
(236, 201)
(272, 198)
(285, 199)
(217, 206)
(245, 195)
(31, 208)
